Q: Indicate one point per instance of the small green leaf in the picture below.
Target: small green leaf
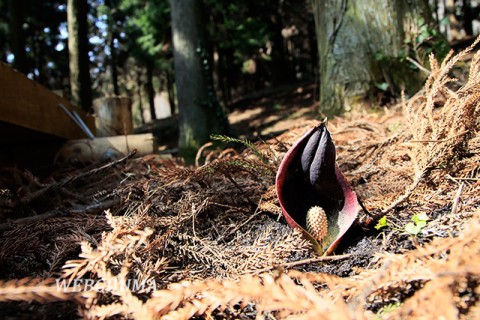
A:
(388, 308)
(382, 86)
(412, 228)
(421, 224)
(382, 223)
(422, 216)
(266, 57)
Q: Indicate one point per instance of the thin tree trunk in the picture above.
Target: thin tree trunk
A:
(435, 11)
(171, 91)
(313, 49)
(17, 36)
(281, 65)
(222, 77)
(79, 63)
(113, 65)
(139, 94)
(468, 17)
(40, 62)
(151, 91)
(454, 25)
(111, 45)
(225, 57)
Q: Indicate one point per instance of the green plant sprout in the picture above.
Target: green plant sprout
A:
(419, 222)
(382, 223)
(388, 308)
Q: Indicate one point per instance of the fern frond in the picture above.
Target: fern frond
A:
(247, 143)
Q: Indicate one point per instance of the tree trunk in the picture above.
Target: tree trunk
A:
(454, 25)
(79, 62)
(151, 91)
(226, 55)
(360, 45)
(17, 36)
(113, 64)
(200, 114)
(312, 46)
(222, 77)
(468, 17)
(111, 46)
(40, 65)
(171, 91)
(139, 94)
(281, 68)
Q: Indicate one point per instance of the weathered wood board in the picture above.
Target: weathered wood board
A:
(27, 104)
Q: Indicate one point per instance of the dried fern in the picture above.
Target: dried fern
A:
(34, 290)
(280, 295)
(437, 136)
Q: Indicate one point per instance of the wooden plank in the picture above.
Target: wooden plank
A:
(25, 103)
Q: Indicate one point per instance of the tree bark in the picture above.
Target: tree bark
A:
(171, 91)
(112, 35)
(281, 68)
(39, 63)
(360, 45)
(17, 36)
(226, 73)
(454, 25)
(222, 77)
(113, 64)
(79, 62)
(200, 114)
(139, 94)
(151, 91)
(468, 17)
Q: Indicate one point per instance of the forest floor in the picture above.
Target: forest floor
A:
(274, 114)
(209, 241)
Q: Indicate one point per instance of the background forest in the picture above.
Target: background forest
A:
(126, 46)
(130, 46)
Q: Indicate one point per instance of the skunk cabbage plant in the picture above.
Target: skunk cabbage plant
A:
(313, 193)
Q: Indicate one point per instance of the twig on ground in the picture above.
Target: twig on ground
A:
(438, 141)
(363, 207)
(419, 66)
(200, 152)
(461, 179)
(313, 260)
(242, 192)
(457, 199)
(403, 197)
(52, 214)
(35, 195)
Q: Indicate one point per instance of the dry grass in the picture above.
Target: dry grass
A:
(211, 241)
